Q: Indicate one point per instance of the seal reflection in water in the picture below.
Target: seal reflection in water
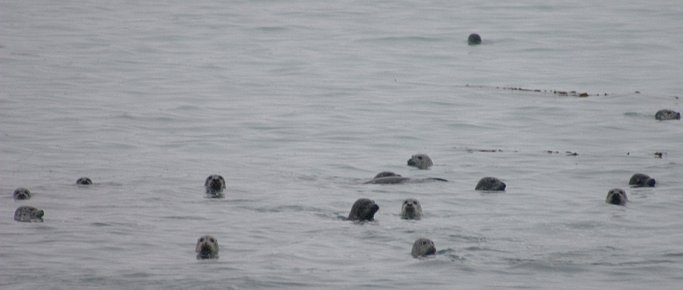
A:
(22, 194)
(616, 196)
(411, 209)
(641, 180)
(84, 181)
(207, 248)
(421, 161)
(214, 184)
(28, 214)
(423, 247)
(490, 184)
(363, 210)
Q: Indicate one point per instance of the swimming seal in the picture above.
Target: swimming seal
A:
(214, 184)
(490, 184)
(423, 247)
(474, 39)
(22, 194)
(616, 196)
(667, 115)
(641, 180)
(388, 177)
(207, 248)
(29, 214)
(363, 210)
(421, 161)
(411, 209)
(84, 181)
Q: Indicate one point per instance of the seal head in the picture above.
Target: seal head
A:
(423, 247)
(363, 210)
(641, 180)
(22, 194)
(84, 181)
(215, 184)
(421, 161)
(207, 248)
(667, 115)
(387, 177)
(474, 39)
(616, 196)
(28, 214)
(490, 184)
(411, 209)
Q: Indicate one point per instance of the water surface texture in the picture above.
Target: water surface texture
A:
(297, 103)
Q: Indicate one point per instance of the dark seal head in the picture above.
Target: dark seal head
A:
(84, 181)
(423, 247)
(207, 248)
(641, 180)
(29, 214)
(411, 209)
(214, 184)
(667, 115)
(490, 184)
(421, 161)
(616, 196)
(22, 194)
(363, 210)
(474, 39)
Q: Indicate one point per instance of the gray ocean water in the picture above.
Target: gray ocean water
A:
(297, 103)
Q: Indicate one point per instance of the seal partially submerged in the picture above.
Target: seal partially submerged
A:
(667, 115)
(22, 194)
(474, 39)
(616, 196)
(641, 180)
(423, 247)
(29, 214)
(84, 181)
(214, 184)
(388, 177)
(363, 210)
(490, 184)
(411, 209)
(207, 248)
(421, 161)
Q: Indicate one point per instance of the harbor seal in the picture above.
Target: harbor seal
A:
(421, 161)
(474, 39)
(411, 209)
(29, 214)
(641, 180)
(363, 210)
(388, 177)
(490, 184)
(84, 181)
(667, 115)
(423, 247)
(207, 248)
(616, 196)
(215, 184)
(22, 194)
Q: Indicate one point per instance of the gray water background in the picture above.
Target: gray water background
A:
(297, 103)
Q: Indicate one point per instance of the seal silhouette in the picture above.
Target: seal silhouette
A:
(363, 210)
(411, 209)
(490, 184)
(206, 248)
(474, 39)
(616, 196)
(423, 247)
(84, 181)
(28, 214)
(214, 184)
(641, 180)
(421, 161)
(665, 114)
(21, 194)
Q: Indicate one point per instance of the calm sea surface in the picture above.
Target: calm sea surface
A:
(297, 103)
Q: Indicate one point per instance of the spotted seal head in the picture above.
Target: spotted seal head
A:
(84, 181)
(411, 209)
(474, 39)
(641, 180)
(29, 214)
(363, 210)
(490, 184)
(423, 247)
(22, 194)
(206, 248)
(616, 196)
(421, 161)
(667, 115)
(215, 184)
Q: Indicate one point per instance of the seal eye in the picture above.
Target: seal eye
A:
(212, 240)
(201, 240)
(419, 157)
